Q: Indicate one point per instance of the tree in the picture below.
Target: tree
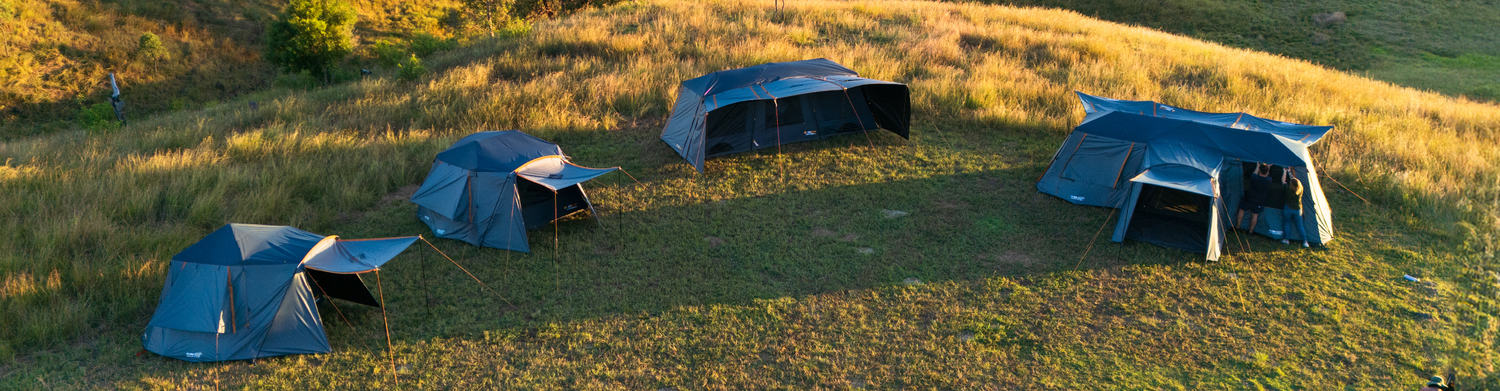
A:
(151, 47)
(489, 14)
(311, 36)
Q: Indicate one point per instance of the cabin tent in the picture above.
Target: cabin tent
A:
(1177, 175)
(766, 105)
(247, 291)
(490, 187)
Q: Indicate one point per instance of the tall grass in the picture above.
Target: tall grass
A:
(90, 220)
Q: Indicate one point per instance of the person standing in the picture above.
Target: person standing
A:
(1254, 199)
(1291, 212)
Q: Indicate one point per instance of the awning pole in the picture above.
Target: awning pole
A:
(389, 352)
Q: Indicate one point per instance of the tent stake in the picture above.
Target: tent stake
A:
(385, 319)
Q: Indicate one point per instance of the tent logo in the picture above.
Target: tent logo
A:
(1076, 198)
(571, 207)
(1275, 232)
(810, 133)
(440, 232)
(194, 354)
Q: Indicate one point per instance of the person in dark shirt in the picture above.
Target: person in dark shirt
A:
(1291, 212)
(1255, 196)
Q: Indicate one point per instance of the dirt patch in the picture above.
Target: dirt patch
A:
(403, 193)
(849, 238)
(951, 204)
(1016, 257)
(713, 241)
(823, 232)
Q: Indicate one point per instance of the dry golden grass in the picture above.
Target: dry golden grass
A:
(90, 219)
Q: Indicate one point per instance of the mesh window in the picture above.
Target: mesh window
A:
(784, 112)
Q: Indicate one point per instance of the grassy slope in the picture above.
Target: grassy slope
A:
(1421, 44)
(785, 301)
(55, 55)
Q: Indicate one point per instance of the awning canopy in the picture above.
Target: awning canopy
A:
(336, 255)
(1178, 177)
(1305, 134)
(556, 173)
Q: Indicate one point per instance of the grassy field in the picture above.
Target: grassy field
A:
(1430, 45)
(739, 278)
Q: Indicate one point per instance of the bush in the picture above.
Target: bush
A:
(424, 44)
(388, 53)
(311, 36)
(99, 116)
(411, 69)
(151, 47)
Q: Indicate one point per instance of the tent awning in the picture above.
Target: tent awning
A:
(556, 173)
(1178, 177)
(336, 255)
(1305, 134)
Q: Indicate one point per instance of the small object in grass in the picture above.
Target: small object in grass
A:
(1410, 278)
(966, 336)
(1231, 275)
(912, 281)
(891, 214)
(865, 250)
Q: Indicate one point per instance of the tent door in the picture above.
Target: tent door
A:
(1171, 218)
(537, 202)
(340, 286)
(836, 112)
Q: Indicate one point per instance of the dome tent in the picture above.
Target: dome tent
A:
(1177, 175)
(488, 188)
(247, 291)
(767, 105)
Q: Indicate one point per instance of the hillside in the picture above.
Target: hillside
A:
(748, 277)
(1437, 46)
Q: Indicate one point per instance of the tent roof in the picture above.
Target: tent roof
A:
(1305, 134)
(764, 73)
(1241, 144)
(336, 255)
(494, 151)
(556, 173)
(250, 244)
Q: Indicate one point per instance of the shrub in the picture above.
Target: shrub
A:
(424, 44)
(99, 116)
(151, 47)
(411, 69)
(487, 14)
(311, 36)
(388, 53)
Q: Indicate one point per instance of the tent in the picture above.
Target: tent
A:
(247, 291)
(1177, 175)
(490, 187)
(767, 105)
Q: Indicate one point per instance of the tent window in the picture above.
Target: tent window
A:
(726, 121)
(783, 112)
(1098, 161)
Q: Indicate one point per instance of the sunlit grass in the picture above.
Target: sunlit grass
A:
(648, 302)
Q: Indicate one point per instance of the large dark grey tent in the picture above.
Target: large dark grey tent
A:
(247, 291)
(1177, 175)
(490, 187)
(766, 105)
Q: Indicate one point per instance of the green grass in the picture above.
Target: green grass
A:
(1390, 39)
(750, 277)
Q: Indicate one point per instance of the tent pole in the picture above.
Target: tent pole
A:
(385, 319)
(556, 271)
(776, 110)
(427, 294)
